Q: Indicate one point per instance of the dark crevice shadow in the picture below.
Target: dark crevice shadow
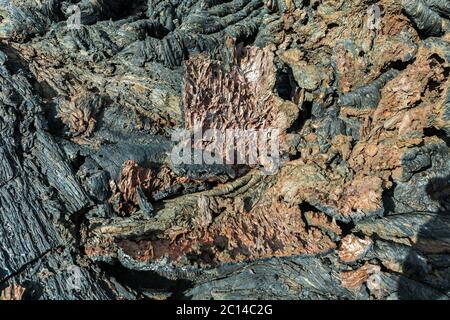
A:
(431, 243)
(142, 281)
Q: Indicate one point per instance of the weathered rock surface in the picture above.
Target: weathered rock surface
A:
(92, 205)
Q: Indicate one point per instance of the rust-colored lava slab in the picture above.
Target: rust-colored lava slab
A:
(267, 230)
(12, 292)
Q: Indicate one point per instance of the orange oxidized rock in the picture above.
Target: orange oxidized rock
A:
(79, 113)
(353, 279)
(13, 292)
(353, 248)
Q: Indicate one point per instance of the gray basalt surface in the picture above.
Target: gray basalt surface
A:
(93, 207)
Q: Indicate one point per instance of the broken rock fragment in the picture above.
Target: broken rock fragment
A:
(353, 248)
(357, 207)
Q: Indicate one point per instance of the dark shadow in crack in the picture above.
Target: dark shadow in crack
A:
(430, 277)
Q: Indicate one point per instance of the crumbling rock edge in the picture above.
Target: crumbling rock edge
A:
(93, 208)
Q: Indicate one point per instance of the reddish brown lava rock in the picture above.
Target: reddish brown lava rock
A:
(409, 103)
(239, 98)
(330, 191)
(322, 221)
(406, 107)
(353, 248)
(79, 113)
(267, 230)
(353, 279)
(149, 181)
(225, 100)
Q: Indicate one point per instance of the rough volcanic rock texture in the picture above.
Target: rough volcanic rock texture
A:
(93, 207)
